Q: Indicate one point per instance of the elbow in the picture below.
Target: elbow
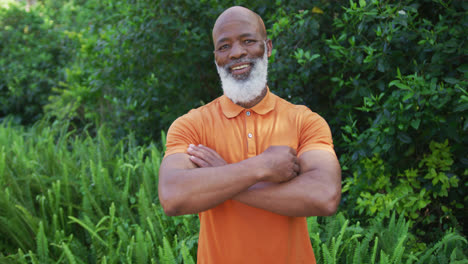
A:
(331, 207)
(170, 210)
(169, 204)
(330, 204)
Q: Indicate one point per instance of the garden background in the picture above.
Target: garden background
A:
(88, 89)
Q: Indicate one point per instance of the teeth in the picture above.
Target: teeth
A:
(241, 67)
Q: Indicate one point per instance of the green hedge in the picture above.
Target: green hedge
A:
(391, 79)
(32, 59)
(69, 198)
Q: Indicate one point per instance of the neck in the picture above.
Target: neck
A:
(255, 101)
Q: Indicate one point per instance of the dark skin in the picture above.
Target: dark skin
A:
(240, 34)
(276, 180)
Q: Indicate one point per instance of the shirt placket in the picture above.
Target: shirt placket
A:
(250, 133)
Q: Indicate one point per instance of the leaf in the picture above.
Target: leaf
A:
(317, 10)
(408, 96)
(42, 244)
(405, 138)
(362, 3)
(398, 84)
(463, 68)
(69, 254)
(90, 230)
(451, 80)
(461, 107)
(313, 57)
(415, 123)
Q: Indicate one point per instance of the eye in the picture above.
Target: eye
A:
(223, 47)
(249, 41)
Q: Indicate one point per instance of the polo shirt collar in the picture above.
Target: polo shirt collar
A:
(231, 109)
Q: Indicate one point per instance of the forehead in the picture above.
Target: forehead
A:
(235, 27)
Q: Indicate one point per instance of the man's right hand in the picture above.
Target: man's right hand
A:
(280, 164)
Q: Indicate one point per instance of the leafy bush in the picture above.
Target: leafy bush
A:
(31, 58)
(391, 80)
(336, 240)
(141, 67)
(82, 199)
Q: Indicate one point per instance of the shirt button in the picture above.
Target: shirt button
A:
(248, 113)
(250, 135)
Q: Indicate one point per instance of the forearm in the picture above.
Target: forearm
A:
(193, 190)
(302, 196)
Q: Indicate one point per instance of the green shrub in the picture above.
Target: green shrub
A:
(390, 79)
(141, 67)
(31, 58)
(66, 197)
(385, 240)
(84, 199)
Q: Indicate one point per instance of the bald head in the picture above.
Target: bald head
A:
(239, 14)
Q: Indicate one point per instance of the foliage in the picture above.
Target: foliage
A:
(336, 240)
(141, 67)
(88, 199)
(391, 80)
(390, 77)
(84, 199)
(31, 60)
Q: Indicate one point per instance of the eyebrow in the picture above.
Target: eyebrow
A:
(242, 36)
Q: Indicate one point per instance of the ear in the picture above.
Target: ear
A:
(269, 47)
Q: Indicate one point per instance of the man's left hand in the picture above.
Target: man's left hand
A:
(204, 157)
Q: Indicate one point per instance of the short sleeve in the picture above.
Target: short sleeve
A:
(181, 134)
(314, 133)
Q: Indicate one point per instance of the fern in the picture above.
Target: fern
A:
(327, 257)
(186, 257)
(374, 251)
(89, 229)
(33, 258)
(71, 258)
(141, 249)
(166, 256)
(398, 252)
(42, 244)
(449, 238)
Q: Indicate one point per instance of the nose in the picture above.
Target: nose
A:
(237, 51)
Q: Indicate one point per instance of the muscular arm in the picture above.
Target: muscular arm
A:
(185, 189)
(316, 191)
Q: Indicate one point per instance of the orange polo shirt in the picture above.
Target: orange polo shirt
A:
(233, 232)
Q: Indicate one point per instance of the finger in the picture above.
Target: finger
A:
(209, 156)
(211, 152)
(199, 162)
(196, 151)
(206, 151)
(212, 156)
(297, 168)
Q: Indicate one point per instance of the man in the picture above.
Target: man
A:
(249, 163)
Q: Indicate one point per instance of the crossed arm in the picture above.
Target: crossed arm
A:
(275, 181)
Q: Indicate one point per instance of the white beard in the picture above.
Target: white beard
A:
(244, 91)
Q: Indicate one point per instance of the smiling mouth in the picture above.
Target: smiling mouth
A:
(241, 71)
(240, 67)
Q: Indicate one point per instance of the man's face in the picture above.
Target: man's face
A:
(238, 43)
(241, 56)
